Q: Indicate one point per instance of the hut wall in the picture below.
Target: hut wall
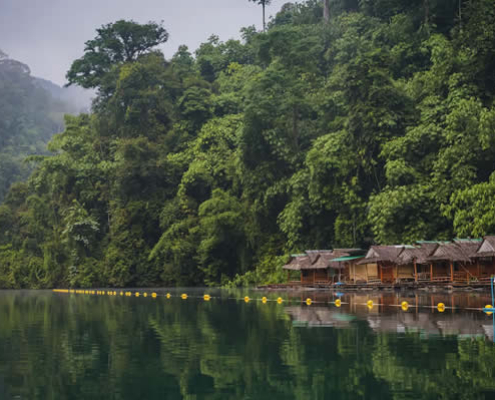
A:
(307, 276)
(321, 275)
(310, 276)
(388, 272)
(372, 271)
(405, 271)
(360, 273)
(441, 269)
(487, 267)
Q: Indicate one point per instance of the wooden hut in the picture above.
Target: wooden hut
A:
(452, 261)
(484, 259)
(316, 267)
(379, 265)
(413, 261)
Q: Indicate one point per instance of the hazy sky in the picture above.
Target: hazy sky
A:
(49, 34)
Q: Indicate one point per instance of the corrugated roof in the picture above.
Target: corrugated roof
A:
(346, 258)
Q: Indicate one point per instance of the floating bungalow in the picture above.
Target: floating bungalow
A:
(453, 261)
(485, 258)
(459, 262)
(379, 266)
(316, 266)
(414, 260)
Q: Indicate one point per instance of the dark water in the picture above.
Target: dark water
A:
(59, 346)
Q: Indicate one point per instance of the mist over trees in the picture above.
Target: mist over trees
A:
(373, 121)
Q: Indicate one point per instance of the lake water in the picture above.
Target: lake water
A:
(60, 346)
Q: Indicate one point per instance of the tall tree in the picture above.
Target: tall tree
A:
(263, 4)
(116, 43)
(326, 10)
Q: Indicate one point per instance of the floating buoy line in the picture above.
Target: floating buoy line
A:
(404, 305)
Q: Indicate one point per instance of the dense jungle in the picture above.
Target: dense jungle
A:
(342, 123)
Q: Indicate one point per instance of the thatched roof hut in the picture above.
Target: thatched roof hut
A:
(460, 250)
(418, 253)
(318, 259)
(381, 254)
(486, 248)
(297, 262)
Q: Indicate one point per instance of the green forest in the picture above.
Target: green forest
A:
(343, 123)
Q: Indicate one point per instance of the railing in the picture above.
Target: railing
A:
(423, 276)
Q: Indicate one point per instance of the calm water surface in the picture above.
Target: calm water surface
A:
(58, 346)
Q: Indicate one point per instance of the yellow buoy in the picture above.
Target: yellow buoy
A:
(264, 300)
(153, 295)
(441, 307)
(489, 307)
(280, 300)
(183, 296)
(145, 294)
(121, 293)
(338, 303)
(404, 305)
(137, 294)
(246, 299)
(207, 297)
(308, 301)
(369, 303)
(168, 296)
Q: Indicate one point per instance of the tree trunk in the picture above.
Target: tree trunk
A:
(264, 17)
(326, 11)
(426, 7)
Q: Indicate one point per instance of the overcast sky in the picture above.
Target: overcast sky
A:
(48, 35)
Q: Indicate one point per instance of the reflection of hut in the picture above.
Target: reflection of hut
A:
(452, 261)
(485, 258)
(318, 317)
(413, 260)
(379, 265)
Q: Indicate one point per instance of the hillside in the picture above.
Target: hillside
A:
(374, 125)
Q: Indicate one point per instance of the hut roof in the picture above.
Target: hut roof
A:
(419, 253)
(315, 254)
(382, 254)
(487, 247)
(459, 250)
(317, 259)
(297, 262)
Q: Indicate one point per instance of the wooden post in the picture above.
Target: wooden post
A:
(288, 276)
(479, 268)
(381, 271)
(431, 272)
(415, 271)
(451, 271)
(314, 276)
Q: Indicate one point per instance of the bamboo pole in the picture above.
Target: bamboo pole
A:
(415, 271)
(431, 272)
(451, 271)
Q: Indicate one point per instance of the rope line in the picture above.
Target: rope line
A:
(404, 305)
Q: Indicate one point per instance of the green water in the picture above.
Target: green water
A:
(58, 346)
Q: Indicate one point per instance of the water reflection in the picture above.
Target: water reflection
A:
(461, 318)
(90, 347)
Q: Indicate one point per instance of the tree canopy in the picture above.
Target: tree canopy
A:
(377, 126)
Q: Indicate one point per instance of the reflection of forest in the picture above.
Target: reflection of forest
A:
(78, 347)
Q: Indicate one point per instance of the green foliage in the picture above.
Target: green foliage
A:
(116, 43)
(378, 126)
